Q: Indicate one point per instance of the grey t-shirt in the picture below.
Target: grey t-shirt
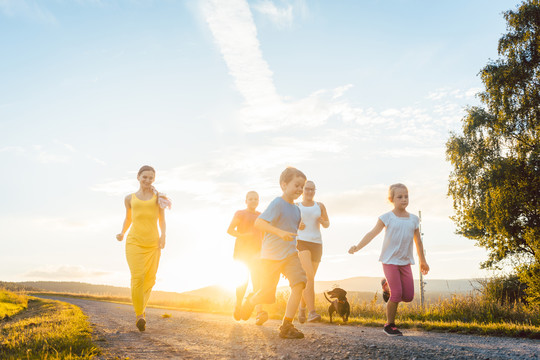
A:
(284, 216)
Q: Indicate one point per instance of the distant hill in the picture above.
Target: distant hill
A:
(365, 285)
(373, 284)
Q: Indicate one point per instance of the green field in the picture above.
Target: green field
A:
(43, 329)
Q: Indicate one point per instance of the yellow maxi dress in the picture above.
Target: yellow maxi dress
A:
(142, 250)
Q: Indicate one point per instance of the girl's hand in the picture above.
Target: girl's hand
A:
(287, 236)
(120, 237)
(162, 241)
(302, 226)
(352, 250)
(424, 268)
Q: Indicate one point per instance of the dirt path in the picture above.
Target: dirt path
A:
(187, 335)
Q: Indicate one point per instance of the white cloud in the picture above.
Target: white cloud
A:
(12, 149)
(46, 157)
(116, 187)
(64, 272)
(282, 17)
(234, 31)
(96, 160)
(27, 9)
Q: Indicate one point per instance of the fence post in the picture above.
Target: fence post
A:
(422, 283)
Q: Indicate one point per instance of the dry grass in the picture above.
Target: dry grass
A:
(46, 329)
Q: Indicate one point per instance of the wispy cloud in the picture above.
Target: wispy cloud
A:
(282, 17)
(235, 34)
(234, 31)
(448, 93)
(31, 10)
(47, 157)
(12, 149)
(64, 272)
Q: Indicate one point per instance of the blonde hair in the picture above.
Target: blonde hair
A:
(392, 190)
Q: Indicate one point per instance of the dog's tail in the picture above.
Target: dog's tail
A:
(330, 301)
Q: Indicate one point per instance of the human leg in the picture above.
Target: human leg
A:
(293, 271)
(135, 259)
(151, 267)
(393, 277)
(308, 294)
(407, 283)
(269, 278)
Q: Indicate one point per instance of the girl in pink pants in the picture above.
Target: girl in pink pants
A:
(397, 252)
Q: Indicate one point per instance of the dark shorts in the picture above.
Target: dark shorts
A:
(314, 248)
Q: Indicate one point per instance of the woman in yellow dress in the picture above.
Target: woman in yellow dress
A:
(144, 209)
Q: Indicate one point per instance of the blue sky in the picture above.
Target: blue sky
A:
(221, 96)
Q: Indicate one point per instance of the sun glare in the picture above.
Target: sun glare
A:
(232, 275)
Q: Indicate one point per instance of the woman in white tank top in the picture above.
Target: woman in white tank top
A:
(309, 245)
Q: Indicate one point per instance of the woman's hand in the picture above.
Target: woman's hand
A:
(352, 250)
(302, 226)
(120, 237)
(162, 242)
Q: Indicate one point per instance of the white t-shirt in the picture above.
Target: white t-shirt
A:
(312, 231)
(398, 239)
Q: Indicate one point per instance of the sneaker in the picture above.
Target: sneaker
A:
(302, 315)
(313, 317)
(236, 313)
(141, 324)
(392, 330)
(247, 308)
(288, 331)
(386, 290)
(261, 318)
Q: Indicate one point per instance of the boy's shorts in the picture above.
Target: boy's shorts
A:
(271, 271)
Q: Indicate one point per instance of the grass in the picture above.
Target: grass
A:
(11, 304)
(44, 329)
(468, 314)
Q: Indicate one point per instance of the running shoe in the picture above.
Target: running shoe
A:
(141, 324)
(392, 330)
(288, 331)
(237, 313)
(313, 317)
(247, 308)
(386, 290)
(302, 315)
(261, 318)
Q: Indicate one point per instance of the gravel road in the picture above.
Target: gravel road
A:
(189, 335)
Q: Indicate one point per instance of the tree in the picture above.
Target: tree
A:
(495, 182)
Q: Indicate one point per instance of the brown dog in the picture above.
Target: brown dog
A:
(339, 305)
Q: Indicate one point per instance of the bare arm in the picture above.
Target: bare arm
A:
(324, 220)
(424, 267)
(162, 227)
(127, 219)
(368, 237)
(265, 226)
(232, 227)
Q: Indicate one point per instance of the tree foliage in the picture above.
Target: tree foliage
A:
(495, 182)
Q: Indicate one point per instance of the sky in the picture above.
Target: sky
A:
(220, 97)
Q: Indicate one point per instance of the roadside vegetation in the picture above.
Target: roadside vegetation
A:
(498, 307)
(32, 328)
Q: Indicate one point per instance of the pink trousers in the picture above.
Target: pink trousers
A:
(400, 281)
